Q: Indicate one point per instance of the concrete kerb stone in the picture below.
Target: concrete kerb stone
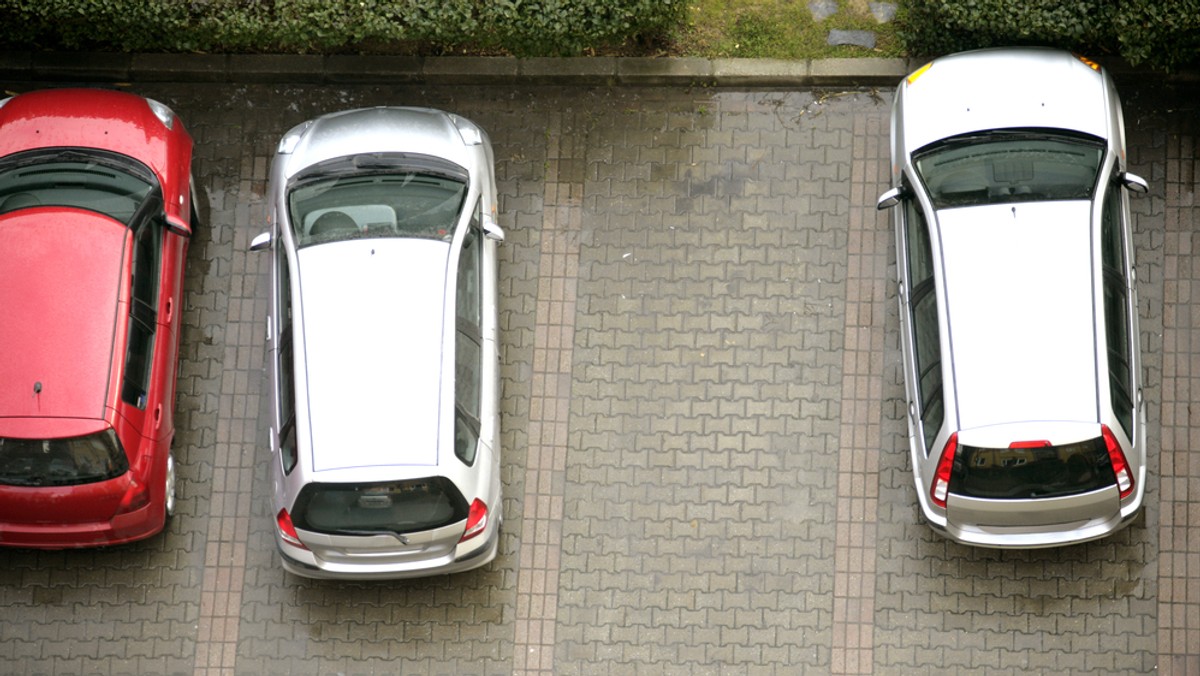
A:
(179, 67)
(59, 66)
(573, 70)
(366, 69)
(261, 68)
(470, 69)
(653, 71)
(759, 72)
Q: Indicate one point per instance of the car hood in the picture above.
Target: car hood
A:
(60, 279)
(1021, 312)
(382, 129)
(372, 313)
(1003, 89)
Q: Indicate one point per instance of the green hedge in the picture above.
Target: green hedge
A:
(1159, 33)
(521, 27)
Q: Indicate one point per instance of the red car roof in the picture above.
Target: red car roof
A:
(61, 272)
(109, 120)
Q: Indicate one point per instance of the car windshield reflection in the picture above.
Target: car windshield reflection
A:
(1010, 166)
(369, 205)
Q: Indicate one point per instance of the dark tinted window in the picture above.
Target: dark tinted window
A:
(61, 462)
(468, 355)
(143, 311)
(111, 184)
(1116, 309)
(376, 196)
(396, 507)
(923, 306)
(1010, 166)
(1035, 472)
(287, 370)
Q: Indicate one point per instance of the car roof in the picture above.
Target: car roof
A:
(60, 280)
(373, 335)
(384, 129)
(1003, 89)
(1020, 307)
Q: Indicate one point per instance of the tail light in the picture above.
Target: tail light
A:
(286, 530)
(136, 497)
(477, 519)
(1119, 464)
(941, 478)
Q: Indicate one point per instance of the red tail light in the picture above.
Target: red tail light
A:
(477, 519)
(286, 530)
(136, 497)
(1119, 464)
(941, 478)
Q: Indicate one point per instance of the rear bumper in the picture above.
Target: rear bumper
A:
(1037, 537)
(137, 525)
(304, 563)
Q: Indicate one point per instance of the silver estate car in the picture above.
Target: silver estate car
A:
(1018, 298)
(383, 364)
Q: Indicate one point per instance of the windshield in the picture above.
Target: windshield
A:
(392, 203)
(61, 462)
(110, 184)
(1010, 166)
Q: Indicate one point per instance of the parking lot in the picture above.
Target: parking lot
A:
(705, 463)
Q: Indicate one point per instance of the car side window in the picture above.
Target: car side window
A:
(1116, 307)
(143, 310)
(924, 317)
(468, 354)
(286, 370)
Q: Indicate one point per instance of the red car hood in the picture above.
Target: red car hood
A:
(60, 281)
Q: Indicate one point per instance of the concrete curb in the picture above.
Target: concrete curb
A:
(343, 69)
(586, 71)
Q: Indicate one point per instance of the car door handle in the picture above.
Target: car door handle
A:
(157, 416)
(170, 309)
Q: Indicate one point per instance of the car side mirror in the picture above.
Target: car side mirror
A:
(1134, 183)
(492, 230)
(890, 198)
(261, 241)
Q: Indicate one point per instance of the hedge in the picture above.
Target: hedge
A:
(1163, 34)
(520, 27)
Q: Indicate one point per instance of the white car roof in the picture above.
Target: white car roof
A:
(1020, 306)
(373, 312)
(999, 89)
(381, 130)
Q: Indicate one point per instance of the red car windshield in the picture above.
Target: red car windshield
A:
(111, 184)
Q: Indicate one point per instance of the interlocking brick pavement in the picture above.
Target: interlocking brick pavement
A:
(733, 432)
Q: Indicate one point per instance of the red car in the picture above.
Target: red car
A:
(96, 211)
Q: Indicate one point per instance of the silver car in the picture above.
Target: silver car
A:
(1018, 302)
(383, 364)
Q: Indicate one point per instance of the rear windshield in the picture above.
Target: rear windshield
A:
(386, 507)
(61, 462)
(1033, 472)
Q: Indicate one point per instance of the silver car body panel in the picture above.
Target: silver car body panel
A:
(1001, 89)
(991, 319)
(366, 306)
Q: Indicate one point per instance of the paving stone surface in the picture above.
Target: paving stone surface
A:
(704, 468)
